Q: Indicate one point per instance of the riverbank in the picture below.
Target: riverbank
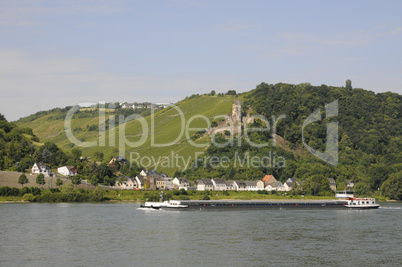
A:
(88, 195)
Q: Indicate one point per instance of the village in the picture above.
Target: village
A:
(152, 180)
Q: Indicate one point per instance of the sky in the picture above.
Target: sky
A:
(66, 52)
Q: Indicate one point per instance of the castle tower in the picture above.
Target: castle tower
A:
(236, 112)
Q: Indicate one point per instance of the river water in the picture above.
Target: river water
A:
(122, 234)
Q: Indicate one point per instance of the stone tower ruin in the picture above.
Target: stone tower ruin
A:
(236, 112)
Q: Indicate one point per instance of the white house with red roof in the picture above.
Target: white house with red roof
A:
(67, 170)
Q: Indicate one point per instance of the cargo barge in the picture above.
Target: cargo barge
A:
(347, 201)
(239, 204)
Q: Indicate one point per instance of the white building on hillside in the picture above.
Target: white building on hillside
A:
(67, 170)
(40, 167)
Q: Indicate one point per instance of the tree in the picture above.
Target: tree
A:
(67, 188)
(392, 188)
(109, 180)
(76, 153)
(76, 180)
(94, 180)
(104, 170)
(98, 194)
(25, 163)
(23, 180)
(213, 92)
(40, 179)
(231, 92)
(46, 155)
(59, 182)
(99, 155)
(362, 189)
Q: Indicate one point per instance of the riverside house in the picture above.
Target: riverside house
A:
(205, 185)
(332, 184)
(275, 186)
(67, 170)
(40, 167)
(219, 184)
(130, 183)
(240, 186)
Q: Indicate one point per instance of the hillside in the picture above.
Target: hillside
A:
(369, 136)
(165, 127)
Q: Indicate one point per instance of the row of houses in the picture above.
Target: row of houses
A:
(159, 181)
(152, 180)
(268, 183)
(143, 105)
(40, 167)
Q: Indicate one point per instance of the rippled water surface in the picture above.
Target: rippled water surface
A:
(122, 234)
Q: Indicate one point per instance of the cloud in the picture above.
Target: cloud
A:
(306, 44)
(34, 13)
(30, 84)
(345, 39)
(234, 25)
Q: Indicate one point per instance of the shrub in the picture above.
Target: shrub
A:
(24, 190)
(35, 191)
(183, 192)
(182, 197)
(98, 194)
(28, 197)
(205, 197)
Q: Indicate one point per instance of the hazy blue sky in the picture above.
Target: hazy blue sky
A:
(60, 53)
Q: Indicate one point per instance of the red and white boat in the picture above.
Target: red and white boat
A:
(356, 202)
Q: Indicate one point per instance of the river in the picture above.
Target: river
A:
(122, 234)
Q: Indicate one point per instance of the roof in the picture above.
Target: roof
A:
(72, 169)
(268, 179)
(219, 181)
(240, 183)
(41, 165)
(120, 159)
(289, 184)
(251, 183)
(331, 180)
(152, 173)
(276, 184)
(122, 176)
(140, 178)
(205, 181)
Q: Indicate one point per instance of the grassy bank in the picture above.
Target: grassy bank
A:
(69, 194)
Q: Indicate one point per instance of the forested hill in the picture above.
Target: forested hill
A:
(369, 127)
(370, 137)
(16, 145)
(368, 122)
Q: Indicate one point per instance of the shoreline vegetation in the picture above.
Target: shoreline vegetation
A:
(67, 193)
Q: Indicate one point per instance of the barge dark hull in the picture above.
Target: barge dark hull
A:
(230, 205)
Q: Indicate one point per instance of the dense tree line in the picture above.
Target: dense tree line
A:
(66, 193)
(18, 153)
(370, 139)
